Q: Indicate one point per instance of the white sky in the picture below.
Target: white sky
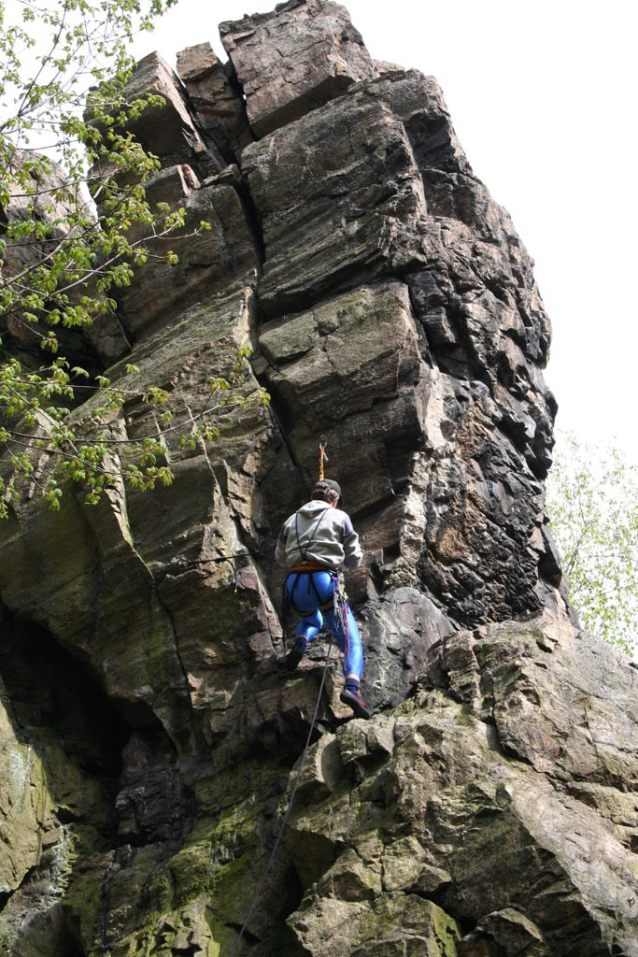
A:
(543, 98)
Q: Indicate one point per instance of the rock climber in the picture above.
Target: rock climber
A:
(314, 543)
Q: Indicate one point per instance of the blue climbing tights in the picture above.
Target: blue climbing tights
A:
(307, 592)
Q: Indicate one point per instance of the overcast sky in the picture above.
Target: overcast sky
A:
(543, 98)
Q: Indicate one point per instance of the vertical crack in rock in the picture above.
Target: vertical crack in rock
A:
(218, 107)
(488, 809)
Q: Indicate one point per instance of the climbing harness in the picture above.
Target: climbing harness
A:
(287, 600)
(289, 808)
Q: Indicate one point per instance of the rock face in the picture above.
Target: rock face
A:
(288, 63)
(149, 741)
(485, 796)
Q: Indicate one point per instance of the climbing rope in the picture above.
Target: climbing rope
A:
(289, 808)
(340, 608)
(341, 615)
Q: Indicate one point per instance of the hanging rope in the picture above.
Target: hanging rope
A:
(322, 457)
(340, 609)
(289, 808)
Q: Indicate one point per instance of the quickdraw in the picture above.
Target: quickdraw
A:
(322, 456)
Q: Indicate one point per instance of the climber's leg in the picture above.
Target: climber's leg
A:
(306, 594)
(350, 643)
(352, 647)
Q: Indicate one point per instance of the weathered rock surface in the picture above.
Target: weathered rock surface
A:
(219, 109)
(481, 816)
(339, 200)
(294, 59)
(168, 128)
(212, 261)
(149, 741)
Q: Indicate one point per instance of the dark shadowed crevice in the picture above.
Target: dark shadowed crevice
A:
(253, 219)
(51, 690)
(59, 711)
(237, 87)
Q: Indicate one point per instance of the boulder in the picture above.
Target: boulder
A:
(516, 858)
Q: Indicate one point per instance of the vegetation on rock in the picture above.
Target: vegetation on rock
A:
(75, 223)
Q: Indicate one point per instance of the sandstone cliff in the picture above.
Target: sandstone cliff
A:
(148, 739)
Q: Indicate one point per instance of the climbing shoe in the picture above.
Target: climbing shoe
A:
(354, 700)
(294, 656)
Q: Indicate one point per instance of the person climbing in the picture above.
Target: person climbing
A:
(313, 544)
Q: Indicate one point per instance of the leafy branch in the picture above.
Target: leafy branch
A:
(86, 451)
(592, 500)
(75, 224)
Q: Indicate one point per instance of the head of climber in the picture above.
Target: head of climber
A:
(327, 490)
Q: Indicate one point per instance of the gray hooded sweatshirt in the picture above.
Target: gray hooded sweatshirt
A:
(320, 533)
